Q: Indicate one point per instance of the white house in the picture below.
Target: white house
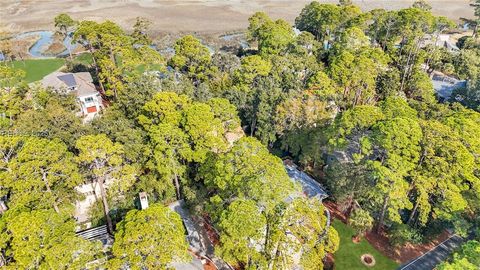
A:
(81, 85)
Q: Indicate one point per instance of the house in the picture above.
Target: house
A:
(310, 187)
(79, 84)
(445, 85)
(441, 41)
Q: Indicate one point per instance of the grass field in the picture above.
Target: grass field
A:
(38, 68)
(84, 58)
(348, 255)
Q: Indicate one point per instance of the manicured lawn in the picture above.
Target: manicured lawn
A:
(348, 255)
(36, 69)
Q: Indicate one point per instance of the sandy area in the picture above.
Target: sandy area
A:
(184, 15)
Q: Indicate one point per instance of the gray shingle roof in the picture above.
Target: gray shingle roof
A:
(68, 79)
(310, 187)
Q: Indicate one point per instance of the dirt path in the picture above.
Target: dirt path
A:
(184, 15)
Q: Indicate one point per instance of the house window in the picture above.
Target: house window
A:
(89, 99)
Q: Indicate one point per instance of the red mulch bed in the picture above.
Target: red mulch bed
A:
(212, 234)
(402, 254)
(209, 266)
(329, 262)
(380, 241)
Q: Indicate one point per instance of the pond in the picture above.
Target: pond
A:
(46, 39)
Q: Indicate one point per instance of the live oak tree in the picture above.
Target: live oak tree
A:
(356, 73)
(193, 58)
(273, 37)
(12, 94)
(445, 172)
(152, 238)
(241, 228)
(41, 174)
(247, 171)
(310, 235)
(398, 142)
(249, 181)
(183, 131)
(105, 162)
(44, 239)
(52, 116)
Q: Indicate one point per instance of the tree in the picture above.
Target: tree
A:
(267, 96)
(356, 73)
(125, 131)
(326, 21)
(140, 31)
(398, 140)
(9, 148)
(42, 175)
(305, 110)
(246, 171)
(12, 94)
(251, 67)
(467, 63)
(104, 160)
(52, 116)
(349, 184)
(113, 53)
(319, 19)
(192, 58)
(443, 175)
(422, 4)
(309, 235)
(183, 132)
(64, 23)
(44, 239)
(467, 258)
(420, 87)
(241, 228)
(415, 24)
(476, 22)
(361, 222)
(273, 37)
(295, 233)
(152, 238)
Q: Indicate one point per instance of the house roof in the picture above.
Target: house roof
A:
(444, 85)
(99, 233)
(68, 79)
(310, 187)
(82, 81)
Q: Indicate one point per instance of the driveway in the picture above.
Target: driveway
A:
(432, 258)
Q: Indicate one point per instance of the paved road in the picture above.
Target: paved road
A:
(440, 253)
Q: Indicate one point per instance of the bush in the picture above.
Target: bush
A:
(402, 234)
(361, 221)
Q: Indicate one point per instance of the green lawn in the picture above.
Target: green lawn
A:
(348, 255)
(36, 69)
(84, 58)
